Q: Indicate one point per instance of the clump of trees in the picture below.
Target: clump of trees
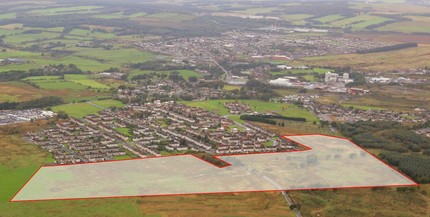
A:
(52, 70)
(257, 118)
(37, 103)
(387, 135)
(415, 166)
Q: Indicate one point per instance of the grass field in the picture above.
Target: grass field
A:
(329, 18)
(19, 91)
(108, 103)
(57, 85)
(79, 110)
(404, 59)
(296, 19)
(358, 22)
(184, 73)
(85, 81)
(65, 10)
(385, 202)
(289, 110)
(87, 59)
(419, 24)
(70, 81)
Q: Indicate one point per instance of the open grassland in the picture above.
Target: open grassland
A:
(87, 59)
(392, 37)
(244, 204)
(392, 8)
(386, 202)
(289, 110)
(19, 91)
(297, 19)
(393, 98)
(21, 38)
(108, 103)
(256, 11)
(65, 10)
(231, 87)
(387, 97)
(184, 73)
(8, 16)
(85, 81)
(358, 22)
(329, 18)
(57, 85)
(71, 81)
(404, 59)
(419, 24)
(90, 34)
(79, 110)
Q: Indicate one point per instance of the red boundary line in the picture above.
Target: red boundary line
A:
(228, 164)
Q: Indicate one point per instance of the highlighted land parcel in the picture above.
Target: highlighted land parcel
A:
(327, 163)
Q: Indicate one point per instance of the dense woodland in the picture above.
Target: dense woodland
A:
(415, 166)
(386, 135)
(398, 142)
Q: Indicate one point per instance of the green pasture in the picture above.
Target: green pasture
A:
(289, 110)
(184, 73)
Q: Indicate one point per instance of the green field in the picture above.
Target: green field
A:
(329, 18)
(90, 34)
(184, 73)
(37, 78)
(87, 59)
(65, 10)
(85, 81)
(108, 103)
(419, 24)
(53, 84)
(297, 19)
(79, 110)
(289, 110)
(358, 22)
(231, 87)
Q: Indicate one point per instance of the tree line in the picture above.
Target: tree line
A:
(37, 103)
(52, 70)
(388, 48)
